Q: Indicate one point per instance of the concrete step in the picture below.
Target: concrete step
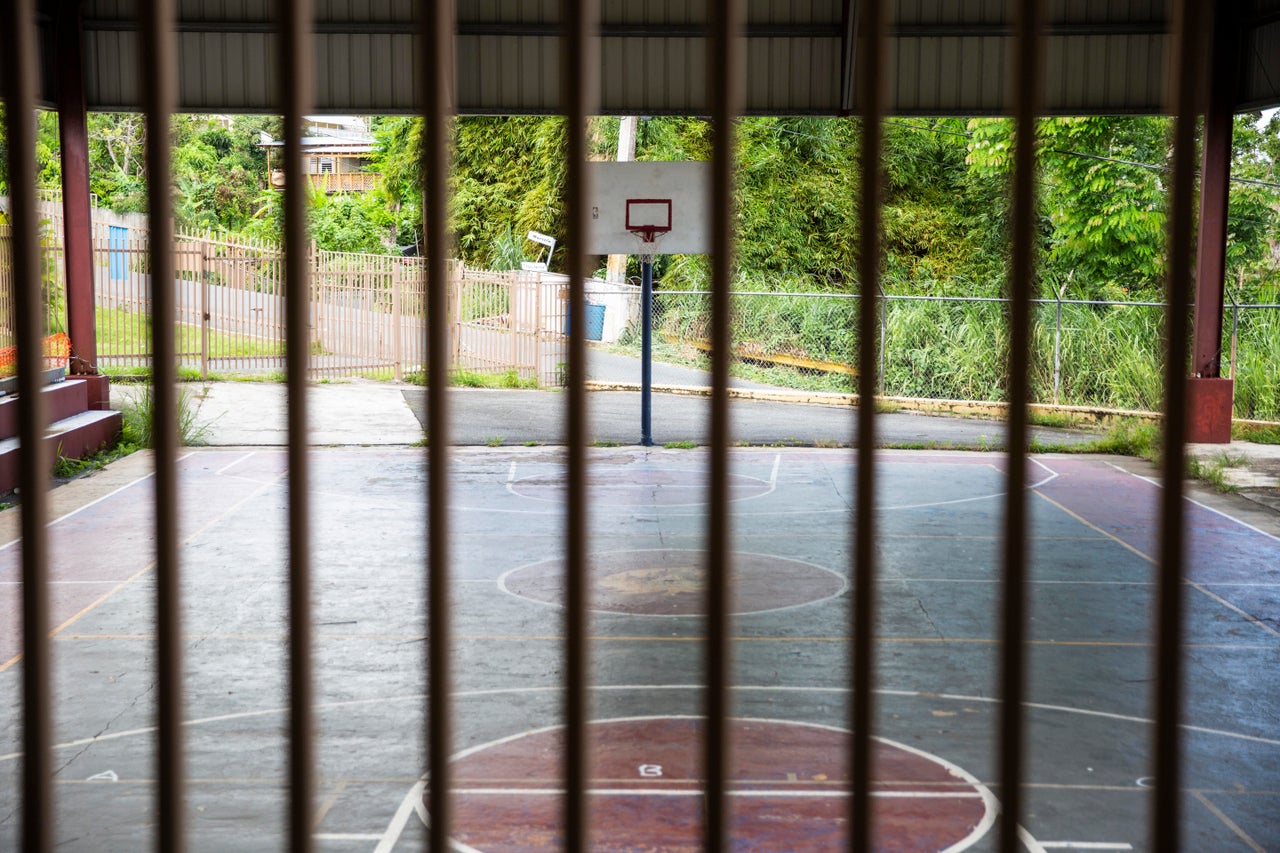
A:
(75, 437)
(61, 400)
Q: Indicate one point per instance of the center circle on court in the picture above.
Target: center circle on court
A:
(670, 582)
(644, 487)
(788, 787)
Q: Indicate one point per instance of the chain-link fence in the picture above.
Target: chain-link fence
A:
(1087, 352)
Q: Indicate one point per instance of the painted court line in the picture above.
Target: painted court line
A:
(151, 565)
(1248, 617)
(227, 468)
(649, 688)
(789, 793)
(95, 501)
(1230, 824)
(1154, 482)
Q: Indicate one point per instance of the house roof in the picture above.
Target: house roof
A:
(946, 56)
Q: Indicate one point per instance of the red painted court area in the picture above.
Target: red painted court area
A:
(667, 582)
(789, 787)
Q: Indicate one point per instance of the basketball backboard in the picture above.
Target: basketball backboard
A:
(668, 201)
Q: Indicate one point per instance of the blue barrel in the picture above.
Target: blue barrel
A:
(118, 240)
(595, 322)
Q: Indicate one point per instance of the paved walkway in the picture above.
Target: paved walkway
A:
(365, 413)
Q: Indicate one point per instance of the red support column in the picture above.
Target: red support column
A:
(1209, 399)
(73, 134)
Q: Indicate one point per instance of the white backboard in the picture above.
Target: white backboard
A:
(687, 184)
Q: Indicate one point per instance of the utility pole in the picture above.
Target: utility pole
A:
(617, 269)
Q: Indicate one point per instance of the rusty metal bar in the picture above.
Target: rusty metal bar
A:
(1022, 291)
(73, 136)
(579, 70)
(1215, 191)
(158, 67)
(295, 74)
(1189, 24)
(34, 462)
(871, 106)
(437, 82)
(726, 97)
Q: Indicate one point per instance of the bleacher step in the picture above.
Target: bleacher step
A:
(74, 437)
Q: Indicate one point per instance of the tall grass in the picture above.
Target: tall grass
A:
(1111, 355)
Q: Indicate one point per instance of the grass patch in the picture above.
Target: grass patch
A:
(122, 332)
(139, 417)
(65, 468)
(1054, 420)
(508, 379)
(530, 443)
(1214, 471)
(1256, 434)
(1128, 438)
(680, 445)
(608, 444)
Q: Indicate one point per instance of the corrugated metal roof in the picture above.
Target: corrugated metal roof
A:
(948, 56)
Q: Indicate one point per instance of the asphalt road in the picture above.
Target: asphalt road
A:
(485, 416)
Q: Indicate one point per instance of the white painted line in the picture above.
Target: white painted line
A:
(790, 793)
(227, 468)
(1154, 482)
(773, 475)
(1248, 617)
(387, 841)
(1036, 461)
(511, 473)
(96, 501)
(62, 583)
(648, 688)
(697, 560)
(347, 836)
(991, 806)
(1029, 842)
(1086, 845)
(1229, 823)
(1245, 524)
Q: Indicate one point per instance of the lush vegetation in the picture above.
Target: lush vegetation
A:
(1102, 184)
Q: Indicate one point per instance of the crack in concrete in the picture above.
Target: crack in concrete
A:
(106, 728)
(927, 617)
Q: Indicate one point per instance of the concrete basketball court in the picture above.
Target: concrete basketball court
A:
(1089, 717)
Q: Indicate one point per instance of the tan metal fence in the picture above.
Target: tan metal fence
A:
(367, 312)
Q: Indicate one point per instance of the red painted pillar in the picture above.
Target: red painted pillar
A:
(73, 135)
(1209, 399)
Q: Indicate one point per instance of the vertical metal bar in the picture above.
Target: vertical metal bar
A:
(158, 70)
(1057, 349)
(871, 105)
(73, 135)
(579, 69)
(646, 351)
(295, 75)
(436, 71)
(34, 463)
(726, 97)
(1022, 289)
(1215, 191)
(1185, 61)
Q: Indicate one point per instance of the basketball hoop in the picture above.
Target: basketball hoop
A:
(648, 219)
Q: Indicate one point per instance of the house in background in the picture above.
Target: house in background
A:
(337, 152)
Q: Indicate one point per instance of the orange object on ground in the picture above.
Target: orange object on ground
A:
(57, 351)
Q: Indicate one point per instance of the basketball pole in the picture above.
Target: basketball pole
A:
(646, 349)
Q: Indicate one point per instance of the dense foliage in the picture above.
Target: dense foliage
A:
(1102, 186)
